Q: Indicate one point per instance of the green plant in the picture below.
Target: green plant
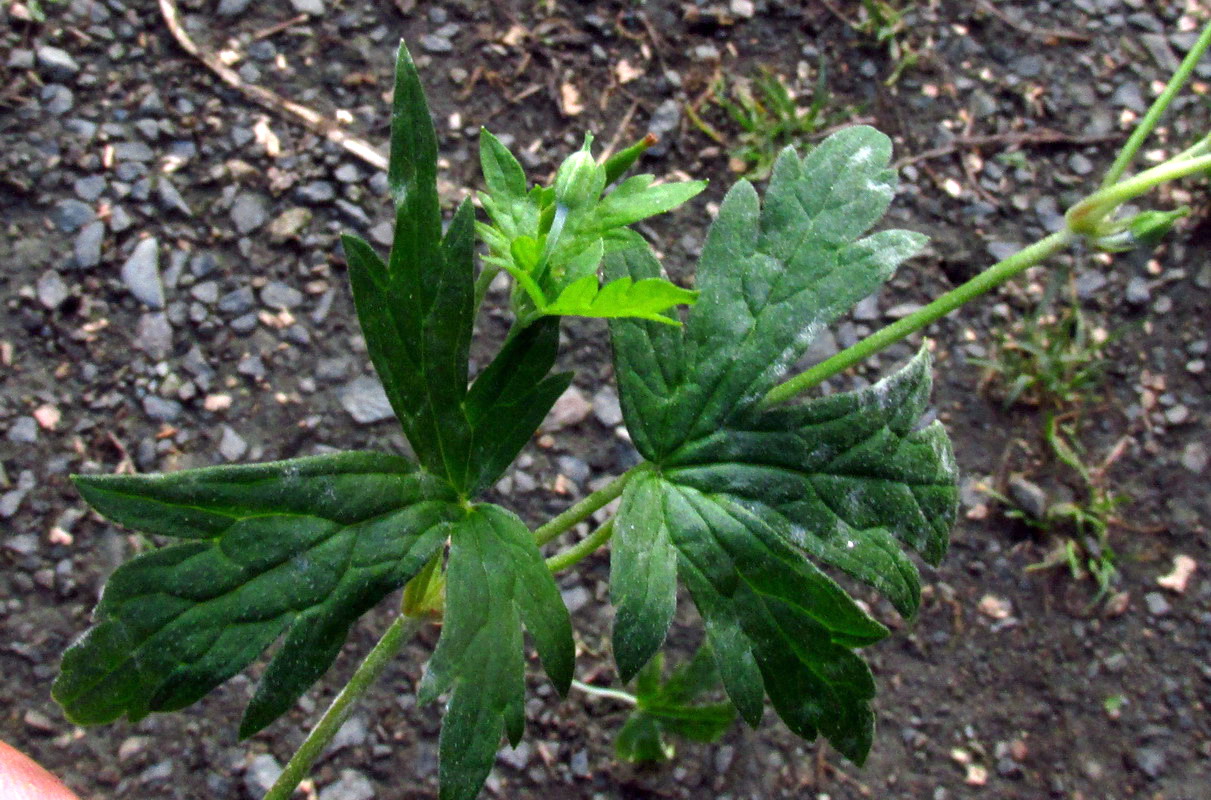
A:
(741, 496)
(1049, 359)
(883, 21)
(769, 117)
(1082, 525)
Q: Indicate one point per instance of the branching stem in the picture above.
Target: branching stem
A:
(401, 630)
(582, 510)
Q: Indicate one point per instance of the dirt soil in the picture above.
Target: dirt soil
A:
(174, 296)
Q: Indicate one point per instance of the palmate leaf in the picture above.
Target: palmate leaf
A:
(671, 707)
(740, 497)
(299, 547)
(496, 580)
(648, 299)
(417, 312)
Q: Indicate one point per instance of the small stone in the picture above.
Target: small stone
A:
(51, 290)
(161, 409)
(313, 7)
(171, 199)
(231, 445)
(217, 402)
(23, 430)
(1157, 605)
(90, 187)
(665, 119)
(57, 99)
(137, 152)
(432, 43)
(249, 212)
(366, 400)
(570, 409)
(289, 224)
(867, 309)
(744, 9)
(87, 248)
(316, 192)
(901, 310)
(1089, 283)
(1175, 581)
(141, 273)
(20, 58)
(233, 8)
(354, 733)
(724, 757)
(205, 292)
(580, 764)
(994, 607)
(1195, 457)
(1138, 293)
(38, 722)
(280, 296)
(238, 301)
(516, 757)
(1151, 761)
(262, 773)
(1129, 95)
(131, 747)
(576, 598)
(1028, 496)
(1080, 164)
(352, 785)
(1177, 414)
(607, 408)
(154, 336)
(47, 417)
(71, 215)
(57, 63)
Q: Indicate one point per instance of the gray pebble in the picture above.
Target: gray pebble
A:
(1177, 415)
(20, 58)
(137, 152)
(57, 63)
(251, 367)
(249, 212)
(279, 295)
(51, 290)
(516, 757)
(352, 785)
(1151, 761)
(1157, 605)
(1080, 164)
(238, 301)
(1195, 457)
(161, 409)
(205, 292)
(232, 446)
(71, 215)
(354, 733)
(1138, 293)
(1029, 496)
(141, 273)
(607, 408)
(315, 192)
(580, 764)
(1128, 95)
(154, 336)
(90, 187)
(665, 118)
(573, 467)
(365, 400)
(244, 324)
(432, 43)
(86, 251)
(57, 99)
(170, 198)
(313, 7)
(24, 430)
(232, 8)
(119, 220)
(261, 775)
(1089, 283)
(576, 598)
(348, 173)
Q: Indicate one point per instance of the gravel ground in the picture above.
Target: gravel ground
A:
(174, 296)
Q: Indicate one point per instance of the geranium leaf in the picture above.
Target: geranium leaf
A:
(417, 309)
(648, 298)
(300, 547)
(740, 496)
(496, 579)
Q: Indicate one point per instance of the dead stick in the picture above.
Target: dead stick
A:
(1033, 30)
(265, 98)
(1019, 139)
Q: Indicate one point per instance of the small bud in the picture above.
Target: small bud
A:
(1149, 227)
(579, 180)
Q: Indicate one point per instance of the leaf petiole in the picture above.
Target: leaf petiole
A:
(400, 631)
(613, 694)
(582, 549)
(582, 510)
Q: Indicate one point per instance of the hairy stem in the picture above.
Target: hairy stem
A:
(587, 506)
(1086, 216)
(613, 694)
(990, 278)
(1158, 108)
(401, 630)
(582, 549)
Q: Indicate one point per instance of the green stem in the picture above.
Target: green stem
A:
(486, 276)
(1158, 108)
(367, 672)
(613, 694)
(582, 549)
(990, 278)
(1086, 215)
(587, 506)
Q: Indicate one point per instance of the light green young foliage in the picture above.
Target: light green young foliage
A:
(551, 240)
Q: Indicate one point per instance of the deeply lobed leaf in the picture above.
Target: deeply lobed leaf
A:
(299, 547)
(496, 580)
(739, 496)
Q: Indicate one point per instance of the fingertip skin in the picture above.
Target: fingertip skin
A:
(21, 778)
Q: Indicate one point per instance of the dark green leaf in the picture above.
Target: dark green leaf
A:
(742, 496)
(636, 199)
(504, 177)
(417, 310)
(496, 579)
(302, 547)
